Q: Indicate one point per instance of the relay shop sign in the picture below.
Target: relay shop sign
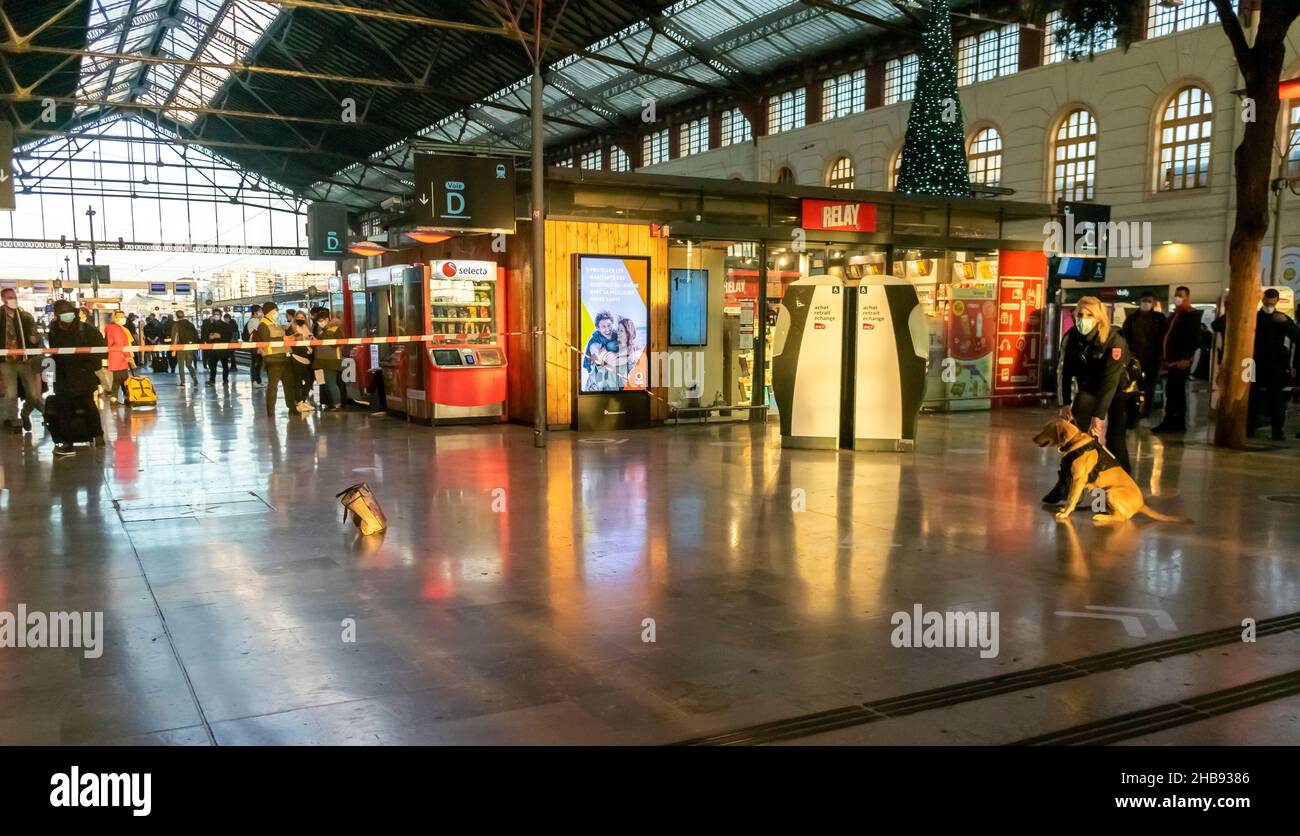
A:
(839, 216)
(474, 194)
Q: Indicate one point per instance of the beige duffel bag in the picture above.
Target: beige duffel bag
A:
(365, 510)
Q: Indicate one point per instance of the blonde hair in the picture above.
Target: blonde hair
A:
(1093, 305)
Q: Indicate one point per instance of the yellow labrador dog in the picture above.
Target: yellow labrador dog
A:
(1092, 466)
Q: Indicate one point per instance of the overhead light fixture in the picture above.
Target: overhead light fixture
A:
(1168, 241)
(427, 236)
(367, 248)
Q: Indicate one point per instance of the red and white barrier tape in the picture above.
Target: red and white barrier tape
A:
(287, 342)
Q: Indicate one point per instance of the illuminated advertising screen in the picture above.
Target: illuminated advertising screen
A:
(688, 307)
(613, 323)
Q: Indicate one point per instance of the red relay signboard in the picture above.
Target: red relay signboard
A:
(839, 216)
(1022, 283)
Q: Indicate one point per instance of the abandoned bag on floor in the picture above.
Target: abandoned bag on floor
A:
(365, 511)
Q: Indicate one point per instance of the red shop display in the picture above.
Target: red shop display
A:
(1022, 283)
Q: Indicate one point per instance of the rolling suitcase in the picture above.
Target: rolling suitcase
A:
(159, 362)
(72, 419)
(139, 392)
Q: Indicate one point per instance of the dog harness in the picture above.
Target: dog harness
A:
(1105, 461)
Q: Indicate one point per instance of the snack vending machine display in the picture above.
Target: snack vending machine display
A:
(467, 368)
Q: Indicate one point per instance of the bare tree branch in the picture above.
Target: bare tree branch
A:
(1232, 26)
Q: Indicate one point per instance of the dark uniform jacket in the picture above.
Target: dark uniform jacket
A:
(183, 331)
(1272, 355)
(1099, 367)
(1145, 333)
(1184, 335)
(29, 338)
(74, 374)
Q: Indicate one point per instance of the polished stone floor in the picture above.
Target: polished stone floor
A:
(507, 602)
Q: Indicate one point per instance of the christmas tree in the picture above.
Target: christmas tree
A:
(934, 153)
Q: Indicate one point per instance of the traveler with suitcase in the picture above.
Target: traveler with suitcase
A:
(70, 412)
(120, 361)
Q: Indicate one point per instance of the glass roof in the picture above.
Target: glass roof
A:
(217, 31)
(715, 43)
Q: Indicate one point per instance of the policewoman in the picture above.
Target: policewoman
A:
(1096, 360)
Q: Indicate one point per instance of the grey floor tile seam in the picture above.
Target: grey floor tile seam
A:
(162, 618)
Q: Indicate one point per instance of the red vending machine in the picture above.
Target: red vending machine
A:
(466, 374)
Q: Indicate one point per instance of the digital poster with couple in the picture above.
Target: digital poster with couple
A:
(614, 325)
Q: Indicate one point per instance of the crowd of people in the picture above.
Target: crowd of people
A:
(78, 378)
(1107, 376)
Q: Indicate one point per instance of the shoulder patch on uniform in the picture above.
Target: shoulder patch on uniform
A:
(1116, 353)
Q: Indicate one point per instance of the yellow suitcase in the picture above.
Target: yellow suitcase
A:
(139, 392)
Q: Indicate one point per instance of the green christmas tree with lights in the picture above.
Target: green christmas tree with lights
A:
(934, 152)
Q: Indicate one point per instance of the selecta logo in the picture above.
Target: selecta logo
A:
(465, 269)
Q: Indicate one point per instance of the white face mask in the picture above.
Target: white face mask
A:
(1270, 308)
(1179, 300)
(1086, 326)
(11, 303)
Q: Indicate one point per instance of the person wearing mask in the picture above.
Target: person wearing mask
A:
(217, 330)
(120, 362)
(276, 359)
(1144, 331)
(74, 374)
(18, 330)
(301, 357)
(183, 332)
(1182, 338)
(255, 358)
(1273, 330)
(1096, 357)
(328, 359)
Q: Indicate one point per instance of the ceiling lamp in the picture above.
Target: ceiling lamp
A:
(367, 248)
(427, 236)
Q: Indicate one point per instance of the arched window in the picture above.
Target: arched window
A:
(1293, 138)
(895, 166)
(1074, 157)
(1185, 129)
(784, 176)
(840, 175)
(985, 156)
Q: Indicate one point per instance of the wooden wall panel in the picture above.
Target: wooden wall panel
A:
(564, 240)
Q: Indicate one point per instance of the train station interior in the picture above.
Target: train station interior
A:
(708, 372)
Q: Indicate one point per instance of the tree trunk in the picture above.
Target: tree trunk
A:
(1261, 66)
